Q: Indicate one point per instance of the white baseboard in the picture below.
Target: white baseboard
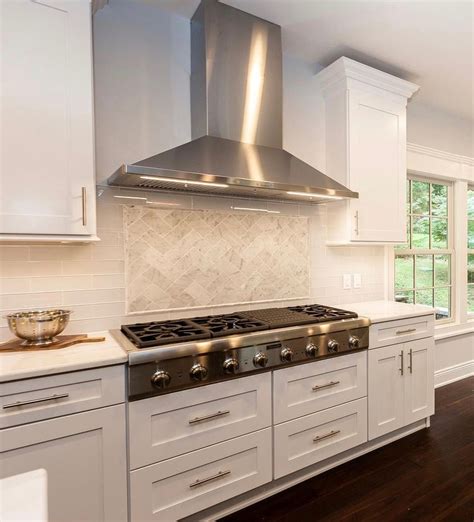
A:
(454, 373)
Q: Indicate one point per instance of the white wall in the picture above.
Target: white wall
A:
(433, 128)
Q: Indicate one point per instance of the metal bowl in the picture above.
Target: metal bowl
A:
(40, 327)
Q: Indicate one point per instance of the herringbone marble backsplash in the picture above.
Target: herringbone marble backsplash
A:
(185, 258)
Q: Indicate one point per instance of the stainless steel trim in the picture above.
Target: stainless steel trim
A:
(84, 206)
(410, 364)
(409, 330)
(196, 420)
(171, 351)
(35, 401)
(401, 362)
(201, 482)
(330, 434)
(322, 386)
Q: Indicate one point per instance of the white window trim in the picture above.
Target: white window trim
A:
(470, 315)
(425, 162)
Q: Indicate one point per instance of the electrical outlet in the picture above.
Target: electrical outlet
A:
(347, 281)
(357, 281)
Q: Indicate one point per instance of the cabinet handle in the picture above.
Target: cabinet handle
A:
(401, 363)
(200, 482)
(410, 330)
(208, 417)
(328, 385)
(356, 230)
(410, 365)
(330, 434)
(84, 206)
(35, 401)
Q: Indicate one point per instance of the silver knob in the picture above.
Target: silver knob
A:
(260, 359)
(198, 372)
(160, 379)
(286, 355)
(333, 346)
(311, 350)
(231, 365)
(354, 341)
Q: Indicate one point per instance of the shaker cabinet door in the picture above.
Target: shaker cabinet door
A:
(77, 462)
(47, 161)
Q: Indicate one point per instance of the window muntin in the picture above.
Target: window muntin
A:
(423, 265)
(470, 250)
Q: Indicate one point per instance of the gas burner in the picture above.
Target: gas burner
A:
(144, 335)
(220, 325)
(320, 313)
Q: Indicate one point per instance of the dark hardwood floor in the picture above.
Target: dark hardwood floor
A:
(427, 476)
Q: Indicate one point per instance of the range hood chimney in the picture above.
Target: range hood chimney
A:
(236, 118)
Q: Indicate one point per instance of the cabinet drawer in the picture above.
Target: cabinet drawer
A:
(184, 485)
(308, 388)
(393, 332)
(307, 440)
(42, 398)
(169, 425)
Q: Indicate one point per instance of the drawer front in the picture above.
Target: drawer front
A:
(305, 389)
(169, 425)
(394, 332)
(43, 398)
(181, 486)
(305, 441)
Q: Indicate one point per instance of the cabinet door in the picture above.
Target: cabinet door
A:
(47, 161)
(419, 379)
(386, 390)
(377, 167)
(82, 458)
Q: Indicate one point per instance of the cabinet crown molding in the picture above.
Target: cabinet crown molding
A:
(343, 70)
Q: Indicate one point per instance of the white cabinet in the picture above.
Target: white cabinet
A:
(47, 163)
(401, 385)
(84, 460)
(366, 151)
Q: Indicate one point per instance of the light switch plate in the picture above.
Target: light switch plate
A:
(347, 281)
(357, 281)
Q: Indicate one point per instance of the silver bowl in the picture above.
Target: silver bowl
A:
(40, 327)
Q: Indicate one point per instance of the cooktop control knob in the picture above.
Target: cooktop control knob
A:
(260, 359)
(333, 346)
(286, 354)
(160, 379)
(312, 350)
(231, 365)
(198, 372)
(354, 341)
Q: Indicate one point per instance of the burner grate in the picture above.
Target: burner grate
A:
(278, 317)
(155, 333)
(321, 313)
(220, 325)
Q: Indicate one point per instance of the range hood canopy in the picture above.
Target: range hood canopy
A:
(236, 119)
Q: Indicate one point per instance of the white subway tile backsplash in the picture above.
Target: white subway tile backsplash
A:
(14, 253)
(14, 285)
(60, 252)
(109, 281)
(92, 267)
(10, 302)
(29, 268)
(59, 283)
(94, 296)
(106, 253)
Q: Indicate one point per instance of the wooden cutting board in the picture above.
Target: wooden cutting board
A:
(63, 342)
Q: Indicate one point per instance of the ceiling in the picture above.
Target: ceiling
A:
(427, 42)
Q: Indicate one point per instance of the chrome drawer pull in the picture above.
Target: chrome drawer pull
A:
(35, 401)
(200, 482)
(328, 385)
(410, 365)
(208, 417)
(330, 434)
(84, 206)
(410, 330)
(401, 363)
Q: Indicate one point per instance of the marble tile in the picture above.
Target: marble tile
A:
(177, 259)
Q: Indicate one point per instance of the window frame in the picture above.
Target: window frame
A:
(450, 250)
(469, 251)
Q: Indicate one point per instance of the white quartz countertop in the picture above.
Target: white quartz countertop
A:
(23, 365)
(380, 311)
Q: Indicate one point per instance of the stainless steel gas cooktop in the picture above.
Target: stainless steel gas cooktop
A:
(167, 356)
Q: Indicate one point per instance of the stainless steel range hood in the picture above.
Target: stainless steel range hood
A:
(236, 118)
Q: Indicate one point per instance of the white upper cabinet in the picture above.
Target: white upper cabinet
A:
(47, 181)
(366, 151)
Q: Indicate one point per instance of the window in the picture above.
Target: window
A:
(423, 264)
(470, 250)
